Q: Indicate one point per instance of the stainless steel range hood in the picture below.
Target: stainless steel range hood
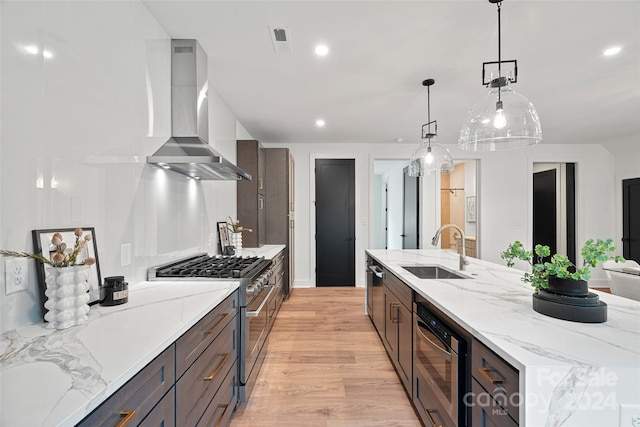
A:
(187, 151)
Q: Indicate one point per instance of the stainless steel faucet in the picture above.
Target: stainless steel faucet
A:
(463, 256)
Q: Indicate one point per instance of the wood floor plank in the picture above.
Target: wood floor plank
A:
(326, 367)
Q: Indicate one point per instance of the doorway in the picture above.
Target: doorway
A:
(554, 207)
(335, 222)
(630, 215)
(410, 211)
(459, 205)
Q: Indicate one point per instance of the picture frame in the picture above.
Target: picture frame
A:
(223, 235)
(42, 245)
(471, 209)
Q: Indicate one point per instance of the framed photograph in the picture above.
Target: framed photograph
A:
(42, 244)
(471, 209)
(223, 235)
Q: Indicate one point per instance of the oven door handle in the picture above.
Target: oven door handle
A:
(264, 301)
(446, 354)
(377, 271)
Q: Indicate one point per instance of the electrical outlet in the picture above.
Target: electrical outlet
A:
(629, 415)
(125, 254)
(16, 275)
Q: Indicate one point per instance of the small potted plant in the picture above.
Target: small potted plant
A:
(559, 274)
(561, 289)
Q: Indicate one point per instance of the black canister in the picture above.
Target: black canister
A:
(115, 291)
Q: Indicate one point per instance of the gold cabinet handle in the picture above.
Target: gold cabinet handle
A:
(215, 371)
(431, 420)
(127, 416)
(392, 306)
(213, 328)
(219, 423)
(260, 203)
(485, 371)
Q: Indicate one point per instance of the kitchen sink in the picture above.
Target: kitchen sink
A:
(432, 272)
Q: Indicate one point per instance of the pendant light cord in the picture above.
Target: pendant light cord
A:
(429, 113)
(499, 55)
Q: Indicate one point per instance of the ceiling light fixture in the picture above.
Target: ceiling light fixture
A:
(430, 157)
(320, 123)
(322, 50)
(612, 51)
(504, 119)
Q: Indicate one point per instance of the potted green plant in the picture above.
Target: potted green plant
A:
(561, 288)
(559, 274)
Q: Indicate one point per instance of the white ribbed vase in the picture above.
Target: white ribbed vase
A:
(236, 241)
(67, 297)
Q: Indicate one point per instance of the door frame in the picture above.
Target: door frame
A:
(579, 199)
(359, 248)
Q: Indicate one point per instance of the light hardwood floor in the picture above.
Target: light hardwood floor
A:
(326, 367)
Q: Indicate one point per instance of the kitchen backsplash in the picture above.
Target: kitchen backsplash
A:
(85, 98)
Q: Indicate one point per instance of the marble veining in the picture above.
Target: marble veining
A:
(70, 372)
(571, 374)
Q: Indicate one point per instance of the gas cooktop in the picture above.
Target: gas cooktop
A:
(210, 267)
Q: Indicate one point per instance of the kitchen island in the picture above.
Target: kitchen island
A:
(571, 374)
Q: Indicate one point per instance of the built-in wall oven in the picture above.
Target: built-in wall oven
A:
(440, 366)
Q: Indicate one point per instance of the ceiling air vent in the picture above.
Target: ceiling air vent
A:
(281, 39)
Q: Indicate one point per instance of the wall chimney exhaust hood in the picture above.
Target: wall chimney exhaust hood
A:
(187, 151)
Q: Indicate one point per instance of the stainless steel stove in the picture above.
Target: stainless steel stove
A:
(257, 300)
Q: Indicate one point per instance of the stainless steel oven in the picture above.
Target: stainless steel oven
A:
(256, 316)
(440, 369)
(257, 298)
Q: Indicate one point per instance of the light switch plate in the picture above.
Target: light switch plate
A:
(16, 275)
(629, 415)
(125, 254)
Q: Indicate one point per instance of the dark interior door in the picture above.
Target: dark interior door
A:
(631, 219)
(410, 213)
(544, 209)
(335, 222)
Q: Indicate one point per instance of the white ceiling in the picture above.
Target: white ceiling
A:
(369, 88)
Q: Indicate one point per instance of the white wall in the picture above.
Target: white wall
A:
(89, 116)
(394, 178)
(504, 189)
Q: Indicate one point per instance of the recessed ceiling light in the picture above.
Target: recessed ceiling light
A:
(33, 50)
(612, 51)
(320, 123)
(322, 50)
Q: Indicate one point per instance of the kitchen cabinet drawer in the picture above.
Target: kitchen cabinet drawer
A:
(138, 396)
(486, 411)
(497, 377)
(164, 414)
(397, 286)
(219, 411)
(201, 381)
(190, 345)
(429, 409)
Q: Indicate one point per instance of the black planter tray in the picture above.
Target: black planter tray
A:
(588, 300)
(573, 313)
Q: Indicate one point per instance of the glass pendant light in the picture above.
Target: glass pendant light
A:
(430, 157)
(502, 119)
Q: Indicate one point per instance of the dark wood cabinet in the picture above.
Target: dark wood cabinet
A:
(136, 399)
(495, 389)
(193, 382)
(280, 206)
(251, 199)
(396, 327)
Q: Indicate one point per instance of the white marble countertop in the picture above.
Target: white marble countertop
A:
(554, 356)
(267, 251)
(57, 377)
